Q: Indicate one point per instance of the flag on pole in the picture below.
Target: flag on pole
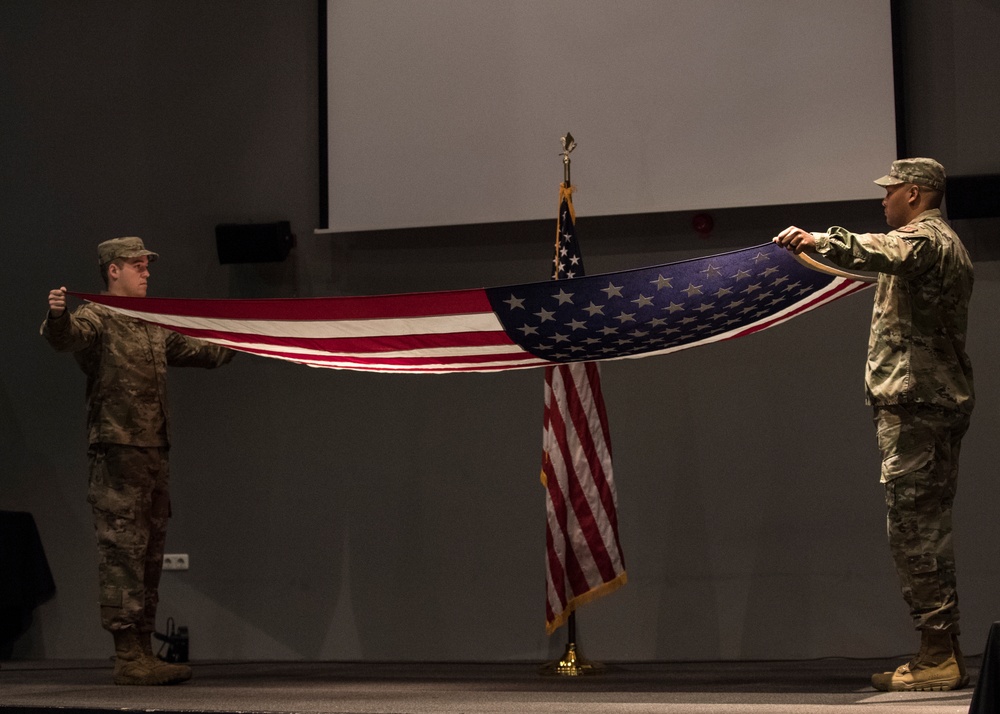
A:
(584, 558)
(628, 314)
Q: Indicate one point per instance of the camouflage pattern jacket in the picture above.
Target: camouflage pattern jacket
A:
(125, 361)
(916, 350)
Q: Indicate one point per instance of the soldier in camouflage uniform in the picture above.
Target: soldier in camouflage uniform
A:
(919, 381)
(125, 361)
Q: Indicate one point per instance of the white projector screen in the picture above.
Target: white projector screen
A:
(447, 112)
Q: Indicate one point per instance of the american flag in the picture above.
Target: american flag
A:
(629, 314)
(584, 558)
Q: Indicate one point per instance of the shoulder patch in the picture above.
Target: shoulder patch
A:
(908, 229)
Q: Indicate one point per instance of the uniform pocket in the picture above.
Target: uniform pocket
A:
(907, 462)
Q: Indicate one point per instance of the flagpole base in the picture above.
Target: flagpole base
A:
(571, 664)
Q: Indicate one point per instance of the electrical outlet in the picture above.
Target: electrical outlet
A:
(175, 561)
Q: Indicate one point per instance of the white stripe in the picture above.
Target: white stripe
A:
(290, 350)
(318, 329)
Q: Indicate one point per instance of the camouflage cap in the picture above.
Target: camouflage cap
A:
(130, 247)
(923, 172)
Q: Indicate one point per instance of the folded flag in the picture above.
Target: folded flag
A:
(628, 314)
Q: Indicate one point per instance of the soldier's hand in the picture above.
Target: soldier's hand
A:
(57, 301)
(796, 240)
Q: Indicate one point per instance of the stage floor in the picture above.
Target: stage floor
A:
(828, 686)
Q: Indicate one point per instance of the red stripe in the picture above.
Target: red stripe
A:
(455, 302)
(357, 345)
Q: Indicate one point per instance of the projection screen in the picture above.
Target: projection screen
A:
(448, 112)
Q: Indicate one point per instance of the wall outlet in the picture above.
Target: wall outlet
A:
(175, 561)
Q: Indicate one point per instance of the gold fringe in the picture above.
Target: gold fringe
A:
(589, 596)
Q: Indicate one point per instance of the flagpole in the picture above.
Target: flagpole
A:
(571, 664)
(568, 144)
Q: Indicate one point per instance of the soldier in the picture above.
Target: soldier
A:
(125, 361)
(919, 381)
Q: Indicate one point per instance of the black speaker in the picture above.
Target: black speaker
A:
(975, 196)
(253, 242)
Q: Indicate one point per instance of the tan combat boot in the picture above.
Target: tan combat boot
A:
(934, 668)
(173, 672)
(132, 665)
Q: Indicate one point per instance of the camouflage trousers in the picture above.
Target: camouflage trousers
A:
(920, 446)
(130, 499)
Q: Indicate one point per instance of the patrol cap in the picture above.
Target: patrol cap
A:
(130, 247)
(923, 172)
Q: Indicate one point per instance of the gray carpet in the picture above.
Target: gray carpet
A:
(829, 686)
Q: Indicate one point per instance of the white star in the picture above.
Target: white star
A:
(662, 282)
(643, 301)
(563, 297)
(612, 290)
(594, 309)
(544, 315)
(515, 302)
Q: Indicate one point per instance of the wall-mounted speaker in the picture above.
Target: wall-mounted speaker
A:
(976, 196)
(253, 242)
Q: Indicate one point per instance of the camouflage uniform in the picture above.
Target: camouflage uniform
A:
(125, 361)
(919, 381)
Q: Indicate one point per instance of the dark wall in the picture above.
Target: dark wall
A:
(334, 515)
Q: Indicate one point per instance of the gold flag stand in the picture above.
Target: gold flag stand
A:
(572, 663)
